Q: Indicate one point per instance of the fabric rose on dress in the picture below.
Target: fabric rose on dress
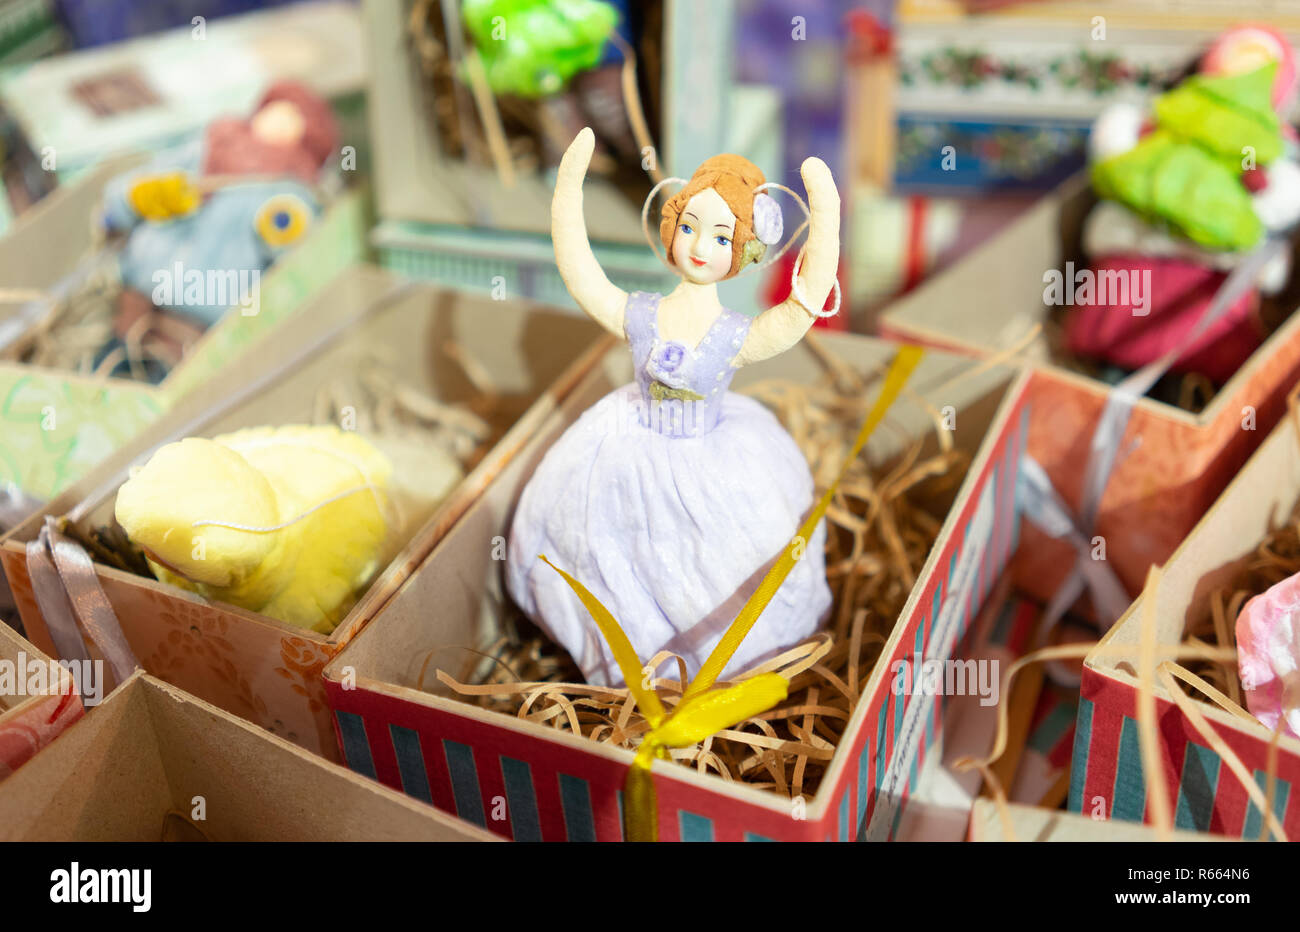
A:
(667, 364)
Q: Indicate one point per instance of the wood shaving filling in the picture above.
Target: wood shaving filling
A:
(73, 333)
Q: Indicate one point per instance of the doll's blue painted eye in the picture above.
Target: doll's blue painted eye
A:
(282, 220)
(722, 241)
(686, 228)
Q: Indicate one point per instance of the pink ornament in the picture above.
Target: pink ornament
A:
(1268, 655)
(1249, 47)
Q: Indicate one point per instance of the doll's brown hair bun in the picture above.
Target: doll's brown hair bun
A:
(734, 177)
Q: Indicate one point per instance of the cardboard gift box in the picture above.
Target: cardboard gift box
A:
(397, 722)
(56, 425)
(1171, 463)
(257, 667)
(38, 700)
(155, 764)
(1107, 774)
(1032, 823)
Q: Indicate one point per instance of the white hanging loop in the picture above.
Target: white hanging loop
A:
(796, 291)
(645, 219)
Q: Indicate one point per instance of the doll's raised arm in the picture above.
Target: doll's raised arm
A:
(600, 298)
(778, 328)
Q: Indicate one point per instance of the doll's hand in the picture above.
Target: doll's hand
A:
(823, 196)
(573, 166)
(591, 289)
(162, 197)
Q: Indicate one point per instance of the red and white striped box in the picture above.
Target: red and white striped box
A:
(38, 700)
(1031, 823)
(528, 782)
(1107, 777)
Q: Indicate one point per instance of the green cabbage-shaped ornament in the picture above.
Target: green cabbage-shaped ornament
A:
(531, 48)
(1187, 172)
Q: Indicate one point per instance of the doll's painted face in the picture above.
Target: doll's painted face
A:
(702, 244)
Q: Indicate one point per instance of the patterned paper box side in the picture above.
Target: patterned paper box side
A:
(255, 671)
(337, 241)
(54, 429)
(52, 705)
(1107, 780)
(1165, 482)
(971, 562)
(528, 788)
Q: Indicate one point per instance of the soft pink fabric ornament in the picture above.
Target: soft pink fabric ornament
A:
(292, 132)
(1268, 655)
(1175, 296)
(1247, 47)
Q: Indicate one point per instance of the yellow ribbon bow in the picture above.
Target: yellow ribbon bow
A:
(704, 711)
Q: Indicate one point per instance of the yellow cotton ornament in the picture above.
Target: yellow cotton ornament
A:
(162, 197)
(286, 521)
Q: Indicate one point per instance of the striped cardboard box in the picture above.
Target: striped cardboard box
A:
(531, 783)
(1107, 777)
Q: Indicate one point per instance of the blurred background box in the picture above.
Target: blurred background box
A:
(1014, 89)
(450, 214)
(145, 94)
(993, 298)
(58, 424)
(29, 29)
(100, 22)
(1107, 769)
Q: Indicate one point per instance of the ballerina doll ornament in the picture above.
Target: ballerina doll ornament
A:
(671, 497)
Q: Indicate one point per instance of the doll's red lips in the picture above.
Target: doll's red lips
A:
(699, 261)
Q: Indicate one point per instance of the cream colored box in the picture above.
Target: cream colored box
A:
(153, 763)
(257, 667)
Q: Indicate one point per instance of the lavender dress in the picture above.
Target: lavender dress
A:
(669, 499)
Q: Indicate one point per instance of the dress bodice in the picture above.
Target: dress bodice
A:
(681, 388)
